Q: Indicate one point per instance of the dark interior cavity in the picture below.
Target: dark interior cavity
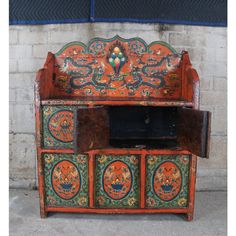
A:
(144, 127)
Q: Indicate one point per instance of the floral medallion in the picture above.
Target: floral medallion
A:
(117, 180)
(58, 126)
(167, 181)
(65, 179)
(61, 126)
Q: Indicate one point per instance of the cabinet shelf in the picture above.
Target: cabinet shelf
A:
(77, 101)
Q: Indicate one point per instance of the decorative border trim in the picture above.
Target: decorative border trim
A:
(116, 37)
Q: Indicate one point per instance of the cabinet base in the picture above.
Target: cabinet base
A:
(189, 215)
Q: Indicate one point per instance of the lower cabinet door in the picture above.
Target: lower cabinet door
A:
(66, 180)
(117, 181)
(167, 181)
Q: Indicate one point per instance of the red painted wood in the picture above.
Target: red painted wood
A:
(141, 151)
(91, 179)
(192, 183)
(116, 211)
(127, 67)
(78, 101)
(119, 151)
(142, 180)
(41, 150)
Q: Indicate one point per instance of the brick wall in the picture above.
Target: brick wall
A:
(28, 49)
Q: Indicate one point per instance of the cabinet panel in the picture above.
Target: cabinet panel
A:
(66, 180)
(117, 183)
(58, 126)
(167, 181)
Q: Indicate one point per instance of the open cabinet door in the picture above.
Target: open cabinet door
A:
(92, 128)
(193, 131)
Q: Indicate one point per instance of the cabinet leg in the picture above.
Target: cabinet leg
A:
(43, 214)
(189, 216)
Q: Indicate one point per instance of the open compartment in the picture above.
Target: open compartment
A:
(146, 127)
(142, 126)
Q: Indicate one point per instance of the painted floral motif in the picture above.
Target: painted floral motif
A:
(131, 201)
(102, 159)
(58, 126)
(150, 202)
(137, 47)
(167, 181)
(119, 67)
(97, 48)
(81, 159)
(49, 158)
(182, 202)
(117, 181)
(66, 180)
(82, 201)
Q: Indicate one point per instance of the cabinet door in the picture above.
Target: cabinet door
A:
(92, 128)
(193, 131)
(117, 181)
(167, 181)
(66, 180)
(58, 127)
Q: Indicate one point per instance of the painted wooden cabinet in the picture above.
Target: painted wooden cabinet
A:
(118, 128)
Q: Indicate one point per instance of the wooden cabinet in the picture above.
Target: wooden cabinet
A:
(118, 128)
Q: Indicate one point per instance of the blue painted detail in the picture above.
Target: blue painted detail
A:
(132, 20)
(92, 2)
(117, 187)
(167, 188)
(66, 187)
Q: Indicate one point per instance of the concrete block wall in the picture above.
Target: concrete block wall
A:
(28, 49)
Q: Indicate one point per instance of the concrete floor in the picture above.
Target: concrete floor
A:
(210, 219)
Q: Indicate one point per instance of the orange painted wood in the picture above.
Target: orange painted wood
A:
(192, 183)
(91, 179)
(78, 101)
(116, 211)
(142, 180)
(43, 213)
(39, 78)
(56, 150)
(141, 151)
(120, 151)
(118, 68)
